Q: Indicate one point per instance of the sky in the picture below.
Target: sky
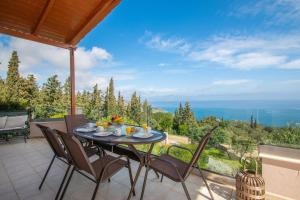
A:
(171, 51)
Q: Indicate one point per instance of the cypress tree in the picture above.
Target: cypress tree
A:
(135, 108)
(177, 121)
(67, 94)
(105, 108)
(251, 121)
(111, 105)
(121, 105)
(12, 79)
(95, 103)
(84, 103)
(188, 116)
(146, 112)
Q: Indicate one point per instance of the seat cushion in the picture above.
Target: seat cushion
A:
(100, 163)
(2, 122)
(168, 170)
(16, 121)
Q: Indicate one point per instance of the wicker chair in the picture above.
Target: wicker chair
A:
(72, 122)
(101, 169)
(176, 169)
(59, 153)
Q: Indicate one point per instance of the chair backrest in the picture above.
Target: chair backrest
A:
(73, 121)
(76, 152)
(53, 140)
(202, 143)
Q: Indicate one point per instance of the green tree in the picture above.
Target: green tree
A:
(121, 108)
(83, 101)
(95, 104)
(51, 98)
(164, 121)
(188, 116)
(146, 112)
(2, 92)
(111, 104)
(28, 91)
(12, 79)
(67, 93)
(135, 108)
(177, 120)
(105, 108)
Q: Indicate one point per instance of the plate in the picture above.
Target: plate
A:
(102, 134)
(86, 130)
(142, 135)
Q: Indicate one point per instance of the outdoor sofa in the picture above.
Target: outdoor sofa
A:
(14, 124)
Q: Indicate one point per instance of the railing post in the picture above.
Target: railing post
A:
(72, 77)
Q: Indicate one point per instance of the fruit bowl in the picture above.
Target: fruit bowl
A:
(117, 120)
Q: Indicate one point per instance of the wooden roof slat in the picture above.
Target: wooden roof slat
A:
(35, 38)
(99, 13)
(61, 23)
(43, 16)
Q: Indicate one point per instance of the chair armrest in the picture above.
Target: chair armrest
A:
(180, 147)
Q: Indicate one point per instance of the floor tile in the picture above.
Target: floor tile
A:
(22, 167)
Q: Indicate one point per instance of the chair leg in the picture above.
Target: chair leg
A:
(62, 182)
(162, 176)
(134, 182)
(130, 176)
(186, 191)
(204, 179)
(67, 184)
(46, 173)
(144, 184)
(96, 189)
(157, 175)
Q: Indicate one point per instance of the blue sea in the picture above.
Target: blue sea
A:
(270, 113)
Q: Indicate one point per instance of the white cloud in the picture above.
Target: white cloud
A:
(258, 60)
(163, 64)
(147, 92)
(276, 11)
(230, 82)
(239, 52)
(173, 44)
(247, 52)
(86, 81)
(36, 56)
(44, 61)
(295, 64)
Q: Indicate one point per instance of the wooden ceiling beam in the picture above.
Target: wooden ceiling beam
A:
(32, 37)
(43, 16)
(97, 15)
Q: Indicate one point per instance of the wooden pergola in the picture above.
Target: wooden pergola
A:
(60, 23)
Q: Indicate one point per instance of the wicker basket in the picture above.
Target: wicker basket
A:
(250, 185)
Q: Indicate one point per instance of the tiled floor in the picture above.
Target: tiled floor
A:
(22, 167)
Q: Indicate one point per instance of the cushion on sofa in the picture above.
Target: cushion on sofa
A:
(16, 121)
(2, 122)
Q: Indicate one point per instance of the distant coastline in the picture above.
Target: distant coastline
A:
(269, 113)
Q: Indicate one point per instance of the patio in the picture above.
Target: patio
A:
(22, 167)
